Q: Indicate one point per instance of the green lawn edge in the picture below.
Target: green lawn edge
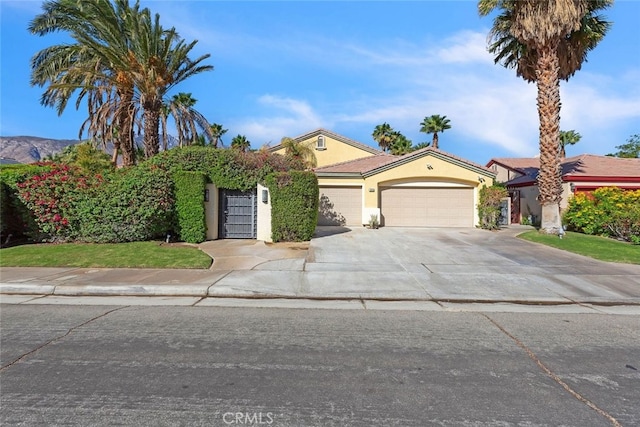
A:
(106, 255)
(600, 248)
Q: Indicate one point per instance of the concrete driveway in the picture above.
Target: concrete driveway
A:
(437, 264)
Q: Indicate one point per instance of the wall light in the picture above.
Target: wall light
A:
(481, 179)
(429, 166)
(265, 196)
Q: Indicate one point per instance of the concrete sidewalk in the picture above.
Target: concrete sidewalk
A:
(423, 265)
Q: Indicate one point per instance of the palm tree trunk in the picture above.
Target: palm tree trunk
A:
(550, 177)
(435, 140)
(152, 110)
(125, 125)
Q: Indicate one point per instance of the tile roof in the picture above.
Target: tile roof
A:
(582, 166)
(333, 135)
(371, 164)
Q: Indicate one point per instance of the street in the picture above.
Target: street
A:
(136, 365)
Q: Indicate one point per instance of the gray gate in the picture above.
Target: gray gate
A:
(238, 214)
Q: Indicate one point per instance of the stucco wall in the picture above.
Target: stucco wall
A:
(211, 208)
(263, 228)
(335, 151)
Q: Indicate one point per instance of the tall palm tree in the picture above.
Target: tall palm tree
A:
(217, 130)
(568, 137)
(435, 124)
(299, 152)
(100, 74)
(240, 142)
(187, 119)
(383, 135)
(545, 41)
(159, 61)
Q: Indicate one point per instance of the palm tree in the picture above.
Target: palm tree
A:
(545, 41)
(240, 142)
(159, 61)
(400, 145)
(217, 130)
(300, 152)
(383, 135)
(435, 124)
(187, 119)
(95, 65)
(568, 137)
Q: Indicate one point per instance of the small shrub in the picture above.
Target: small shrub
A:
(294, 205)
(489, 206)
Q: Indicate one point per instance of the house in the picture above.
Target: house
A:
(425, 188)
(330, 148)
(585, 172)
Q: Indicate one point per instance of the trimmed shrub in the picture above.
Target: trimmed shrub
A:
(135, 205)
(607, 211)
(489, 206)
(294, 205)
(189, 206)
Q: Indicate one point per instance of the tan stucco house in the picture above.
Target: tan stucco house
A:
(425, 188)
(585, 172)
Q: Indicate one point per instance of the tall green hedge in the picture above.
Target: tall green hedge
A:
(189, 206)
(294, 205)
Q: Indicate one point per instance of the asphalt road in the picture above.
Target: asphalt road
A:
(120, 365)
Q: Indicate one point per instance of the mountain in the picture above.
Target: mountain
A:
(29, 149)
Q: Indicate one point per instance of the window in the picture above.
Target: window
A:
(320, 144)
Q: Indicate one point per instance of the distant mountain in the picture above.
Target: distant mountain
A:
(29, 149)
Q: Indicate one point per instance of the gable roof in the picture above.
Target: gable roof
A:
(518, 164)
(585, 167)
(333, 135)
(372, 165)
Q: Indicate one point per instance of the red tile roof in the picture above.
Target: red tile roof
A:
(372, 163)
(582, 167)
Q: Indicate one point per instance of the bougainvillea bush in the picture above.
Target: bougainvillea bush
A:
(607, 211)
(69, 204)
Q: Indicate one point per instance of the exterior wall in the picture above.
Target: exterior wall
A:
(504, 174)
(529, 204)
(263, 231)
(425, 171)
(334, 152)
(211, 208)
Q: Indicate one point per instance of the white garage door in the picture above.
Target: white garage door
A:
(340, 206)
(427, 207)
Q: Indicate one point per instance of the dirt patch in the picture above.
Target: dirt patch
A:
(303, 246)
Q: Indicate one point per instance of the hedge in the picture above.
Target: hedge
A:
(294, 205)
(189, 206)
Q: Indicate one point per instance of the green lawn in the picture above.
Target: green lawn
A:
(601, 248)
(120, 255)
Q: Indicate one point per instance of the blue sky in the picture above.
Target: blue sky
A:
(285, 68)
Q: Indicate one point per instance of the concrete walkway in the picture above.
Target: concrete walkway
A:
(440, 266)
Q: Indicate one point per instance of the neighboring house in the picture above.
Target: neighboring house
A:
(425, 188)
(331, 148)
(586, 172)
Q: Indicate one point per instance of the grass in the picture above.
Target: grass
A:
(117, 255)
(601, 248)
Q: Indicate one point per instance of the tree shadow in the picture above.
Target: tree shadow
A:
(329, 230)
(327, 214)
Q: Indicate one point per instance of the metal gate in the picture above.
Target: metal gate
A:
(238, 214)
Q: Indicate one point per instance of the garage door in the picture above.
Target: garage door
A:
(427, 207)
(340, 206)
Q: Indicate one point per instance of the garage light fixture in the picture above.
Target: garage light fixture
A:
(481, 179)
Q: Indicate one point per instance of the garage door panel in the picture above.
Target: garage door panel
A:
(427, 207)
(340, 206)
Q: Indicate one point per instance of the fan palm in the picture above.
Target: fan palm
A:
(217, 130)
(383, 135)
(435, 124)
(545, 41)
(187, 119)
(240, 142)
(568, 137)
